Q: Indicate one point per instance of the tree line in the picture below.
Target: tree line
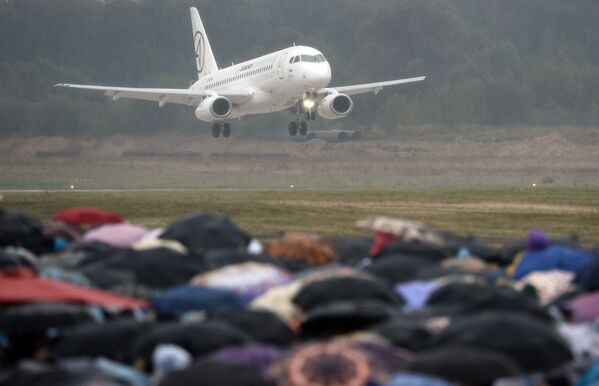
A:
(492, 62)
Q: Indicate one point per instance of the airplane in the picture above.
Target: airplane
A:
(294, 79)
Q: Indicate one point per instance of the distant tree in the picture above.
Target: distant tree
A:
(497, 62)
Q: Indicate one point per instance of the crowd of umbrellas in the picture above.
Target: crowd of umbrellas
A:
(89, 299)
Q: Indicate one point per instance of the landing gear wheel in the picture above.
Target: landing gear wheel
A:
(293, 128)
(216, 130)
(226, 130)
(313, 116)
(303, 130)
(308, 116)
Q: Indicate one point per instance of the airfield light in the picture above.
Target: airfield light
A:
(308, 104)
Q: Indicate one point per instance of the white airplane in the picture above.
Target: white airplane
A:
(293, 79)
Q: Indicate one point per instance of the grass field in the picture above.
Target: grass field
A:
(502, 212)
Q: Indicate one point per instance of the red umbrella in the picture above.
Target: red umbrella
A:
(24, 286)
(88, 216)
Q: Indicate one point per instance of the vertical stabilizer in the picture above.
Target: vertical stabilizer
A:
(205, 61)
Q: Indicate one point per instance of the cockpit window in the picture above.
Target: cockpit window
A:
(307, 59)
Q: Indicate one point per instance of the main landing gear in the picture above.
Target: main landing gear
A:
(217, 130)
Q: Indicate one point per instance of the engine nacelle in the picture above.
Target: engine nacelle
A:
(335, 106)
(214, 108)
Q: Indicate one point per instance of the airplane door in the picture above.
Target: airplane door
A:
(281, 65)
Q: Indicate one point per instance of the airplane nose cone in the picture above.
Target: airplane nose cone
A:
(321, 76)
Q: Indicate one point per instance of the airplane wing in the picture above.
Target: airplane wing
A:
(369, 87)
(162, 95)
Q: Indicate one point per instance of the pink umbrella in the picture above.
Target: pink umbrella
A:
(585, 307)
(118, 235)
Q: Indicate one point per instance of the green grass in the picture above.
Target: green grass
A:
(503, 212)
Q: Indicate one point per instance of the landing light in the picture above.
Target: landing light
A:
(308, 103)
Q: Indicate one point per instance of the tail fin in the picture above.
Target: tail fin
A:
(205, 61)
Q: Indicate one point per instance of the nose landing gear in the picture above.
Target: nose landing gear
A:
(300, 126)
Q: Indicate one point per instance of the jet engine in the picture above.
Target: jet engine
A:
(214, 108)
(335, 106)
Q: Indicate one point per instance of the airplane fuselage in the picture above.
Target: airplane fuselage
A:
(275, 80)
(295, 79)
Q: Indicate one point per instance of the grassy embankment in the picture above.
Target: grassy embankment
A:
(499, 212)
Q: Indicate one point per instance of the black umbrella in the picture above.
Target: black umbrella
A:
(426, 314)
(27, 327)
(532, 345)
(351, 249)
(94, 251)
(429, 252)
(28, 373)
(322, 292)
(475, 297)
(203, 232)
(33, 318)
(219, 258)
(435, 272)
(398, 269)
(107, 278)
(76, 256)
(11, 260)
(262, 326)
(412, 335)
(344, 317)
(21, 230)
(197, 338)
(454, 243)
(465, 366)
(588, 278)
(111, 340)
(216, 373)
(89, 259)
(154, 268)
